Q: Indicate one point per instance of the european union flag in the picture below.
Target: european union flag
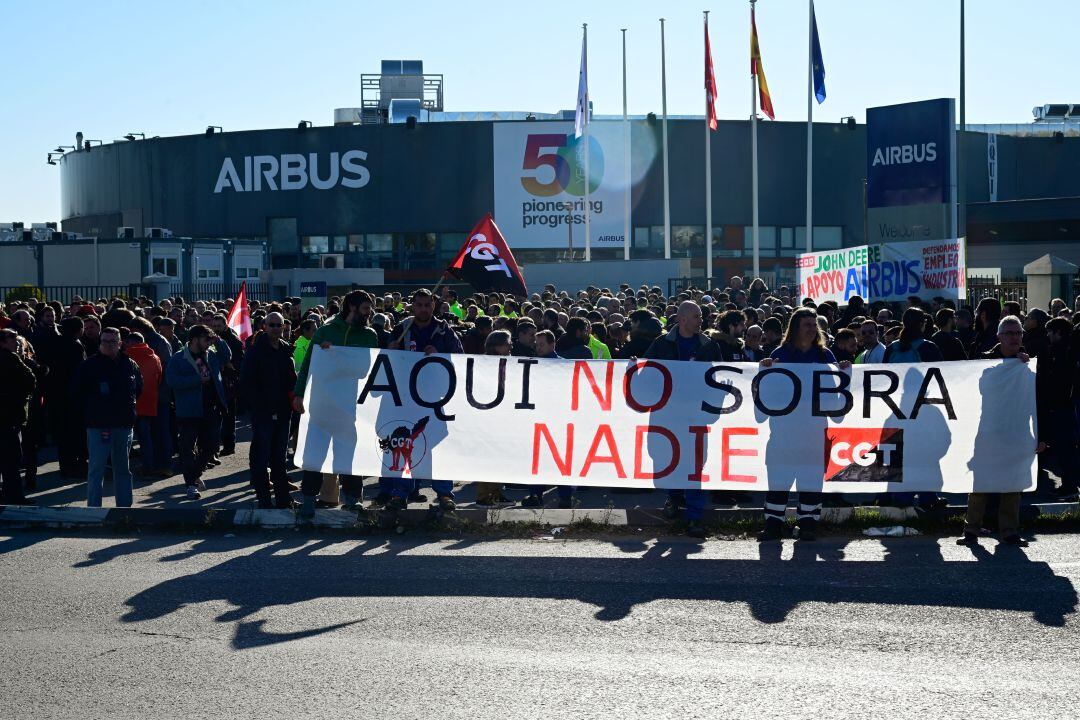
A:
(819, 64)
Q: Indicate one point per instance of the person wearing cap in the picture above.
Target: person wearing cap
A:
(194, 376)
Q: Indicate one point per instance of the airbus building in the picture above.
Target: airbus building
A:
(397, 183)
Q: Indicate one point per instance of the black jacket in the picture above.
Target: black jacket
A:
(105, 390)
(666, 347)
(574, 351)
(67, 356)
(1036, 342)
(950, 345)
(1054, 377)
(267, 377)
(15, 390)
(635, 348)
(518, 349)
(730, 348)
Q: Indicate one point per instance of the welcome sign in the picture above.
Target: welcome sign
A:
(891, 272)
(952, 427)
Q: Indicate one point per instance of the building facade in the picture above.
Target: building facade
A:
(401, 197)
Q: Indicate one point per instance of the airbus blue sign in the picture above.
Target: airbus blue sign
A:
(909, 150)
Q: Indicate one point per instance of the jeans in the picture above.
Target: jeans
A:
(269, 442)
(198, 443)
(103, 444)
(144, 432)
(163, 429)
(695, 504)
(10, 459)
(228, 427)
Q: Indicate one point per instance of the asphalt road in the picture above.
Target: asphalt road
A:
(288, 625)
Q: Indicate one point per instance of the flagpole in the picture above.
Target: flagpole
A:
(663, 107)
(708, 173)
(588, 153)
(810, 134)
(754, 169)
(626, 157)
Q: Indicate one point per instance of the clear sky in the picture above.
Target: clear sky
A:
(109, 67)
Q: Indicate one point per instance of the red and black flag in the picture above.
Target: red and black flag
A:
(486, 263)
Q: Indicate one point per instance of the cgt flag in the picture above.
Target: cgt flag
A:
(239, 318)
(486, 263)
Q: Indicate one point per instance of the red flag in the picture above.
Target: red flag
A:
(239, 318)
(710, 81)
(756, 68)
(486, 263)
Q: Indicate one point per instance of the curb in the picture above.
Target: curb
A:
(223, 518)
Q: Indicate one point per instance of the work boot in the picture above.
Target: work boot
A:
(773, 531)
(446, 503)
(532, 501)
(307, 509)
(696, 530)
(968, 538)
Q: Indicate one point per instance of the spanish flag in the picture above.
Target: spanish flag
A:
(757, 69)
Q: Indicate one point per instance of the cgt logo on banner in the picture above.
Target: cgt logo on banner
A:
(949, 427)
(540, 182)
(891, 272)
(864, 455)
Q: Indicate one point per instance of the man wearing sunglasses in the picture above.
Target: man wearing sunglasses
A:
(267, 378)
(873, 351)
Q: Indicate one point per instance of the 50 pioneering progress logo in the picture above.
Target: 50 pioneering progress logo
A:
(564, 154)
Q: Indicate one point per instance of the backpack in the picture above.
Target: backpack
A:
(895, 355)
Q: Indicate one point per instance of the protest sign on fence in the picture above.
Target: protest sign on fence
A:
(891, 272)
(872, 428)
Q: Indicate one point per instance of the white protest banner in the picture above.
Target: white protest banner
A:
(950, 426)
(832, 274)
(924, 268)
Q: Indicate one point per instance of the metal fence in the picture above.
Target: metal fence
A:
(64, 294)
(1002, 291)
(220, 291)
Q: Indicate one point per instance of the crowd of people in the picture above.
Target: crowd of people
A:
(95, 377)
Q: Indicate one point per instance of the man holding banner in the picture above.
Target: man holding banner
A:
(423, 332)
(349, 329)
(1010, 333)
(686, 342)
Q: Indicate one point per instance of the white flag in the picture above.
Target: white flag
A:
(581, 115)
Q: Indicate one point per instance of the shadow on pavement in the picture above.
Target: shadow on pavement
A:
(913, 572)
